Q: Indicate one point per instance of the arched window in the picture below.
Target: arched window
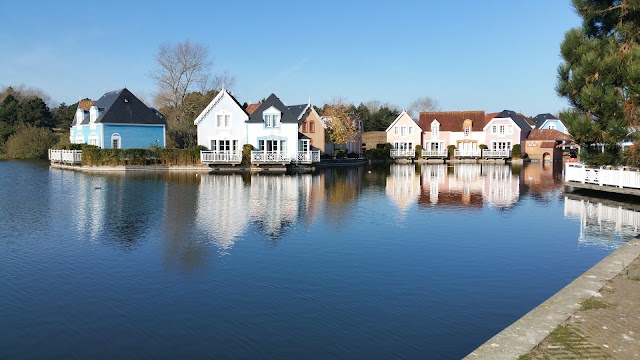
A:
(116, 141)
(93, 139)
(79, 138)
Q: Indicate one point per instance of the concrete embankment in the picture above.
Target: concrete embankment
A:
(530, 330)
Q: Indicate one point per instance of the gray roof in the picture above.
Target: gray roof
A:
(285, 117)
(122, 107)
(517, 118)
(541, 118)
(297, 110)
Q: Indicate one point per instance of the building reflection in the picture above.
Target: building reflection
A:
(222, 209)
(602, 222)
(403, 185)
(274, 202)
(543, 181)
(468, 185)
(342, 186)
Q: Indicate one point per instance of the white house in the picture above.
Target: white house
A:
(222, 128)
(272, 129)
(404, 133)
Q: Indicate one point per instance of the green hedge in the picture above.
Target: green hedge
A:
(93, 156)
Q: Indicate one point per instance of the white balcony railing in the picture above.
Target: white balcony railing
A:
(269, 157)
(486, 153)
(399, 153)
(308, 157)
(467, 153)
(434, 153)
(213, 157)
(66, 156)
(622, 178)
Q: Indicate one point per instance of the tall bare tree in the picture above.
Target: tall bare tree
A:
(423, 104)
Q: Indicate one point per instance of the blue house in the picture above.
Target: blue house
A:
(548, 121)
(118, 120)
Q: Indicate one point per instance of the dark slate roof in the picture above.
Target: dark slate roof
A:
(297, 110)
(517, 118)
(122, 107)
(541, 118)
(302, 136)
(285, 115)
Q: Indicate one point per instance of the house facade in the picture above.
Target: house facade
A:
(222, 128)
(118, 120)
(505, 130)
(272, 129)
(545, 145)
(312, 126)
(464, 129)
(404, 134)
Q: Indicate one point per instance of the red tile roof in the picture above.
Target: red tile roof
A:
(452, 120)
(252, 107)
(548, 134)
(548, 144)
(489, 117)
(85, 104)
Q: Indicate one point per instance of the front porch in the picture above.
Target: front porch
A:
(402, 154)
(435, 154)
(220, 157)
(496, 154)
(72, 157)
(467, 153)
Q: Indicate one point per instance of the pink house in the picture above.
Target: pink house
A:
(503, 131)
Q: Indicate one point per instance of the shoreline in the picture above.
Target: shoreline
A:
(530, 330)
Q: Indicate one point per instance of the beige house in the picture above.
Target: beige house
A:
(403, 134)
(312, 127)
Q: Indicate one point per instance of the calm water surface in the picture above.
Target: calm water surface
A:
(399, 261)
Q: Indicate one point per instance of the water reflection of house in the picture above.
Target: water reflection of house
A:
(460, 185)
(222, 209)
(343, 185)
(273, 202)
(542, 180)
(469, 185)
(403, 185)
(501, 187)
(602, 222)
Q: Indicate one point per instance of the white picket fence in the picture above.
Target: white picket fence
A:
(622, 177)
(66, 156)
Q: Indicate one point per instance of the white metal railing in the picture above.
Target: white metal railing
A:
(397, 153)
(269, 156)
(622, 177)
(220, 157)
(435, 153)
(66, 156)
(308, 156)
(467, 153)
(486, 153)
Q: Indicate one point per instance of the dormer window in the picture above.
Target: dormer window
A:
(271, 117)
(435, 129)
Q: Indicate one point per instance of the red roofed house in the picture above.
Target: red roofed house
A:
(545, 144)
(464, 129)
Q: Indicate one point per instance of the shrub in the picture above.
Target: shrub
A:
(352, 155)
(30, 143)
(378, 154)
(451, 150)
(340, 154)
(418, 152)
(246, 154)
(483, 147)
(516, 152)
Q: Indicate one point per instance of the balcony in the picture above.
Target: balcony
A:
(496, 154)
(402, 154)
(467, 153)
(71, 157)
(434, 153)
(308, 157)
(270, 157)
(220, 157)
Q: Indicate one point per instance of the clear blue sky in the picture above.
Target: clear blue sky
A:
(475, 55)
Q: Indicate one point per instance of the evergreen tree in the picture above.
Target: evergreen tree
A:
(600, 75)
(9, 110)
(63, 115)
(34, 112)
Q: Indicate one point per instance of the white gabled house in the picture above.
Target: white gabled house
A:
(272, 129)
(222, 128)
(404, 133)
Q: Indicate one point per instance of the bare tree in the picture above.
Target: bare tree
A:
(181, 68)
(423, 104)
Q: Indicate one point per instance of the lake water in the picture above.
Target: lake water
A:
(400, 261)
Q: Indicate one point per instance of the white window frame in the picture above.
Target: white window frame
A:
(467, 131)
(552, 126)
(271, 117)
(403, 131)
(494, 129)
(410, 130)
(435, 129)
(395, 130)
(510, 129)
(117, 138)
(501, 129)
